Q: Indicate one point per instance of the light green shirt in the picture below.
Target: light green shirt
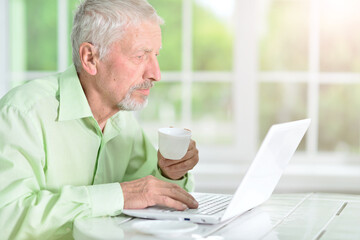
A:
(56, 165)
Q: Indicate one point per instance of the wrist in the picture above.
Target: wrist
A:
(163, 173)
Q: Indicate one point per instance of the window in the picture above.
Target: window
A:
(230, 69)
(309, 67)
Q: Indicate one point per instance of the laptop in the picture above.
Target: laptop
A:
(256, 187)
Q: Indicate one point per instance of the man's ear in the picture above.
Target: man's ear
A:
(88, 57)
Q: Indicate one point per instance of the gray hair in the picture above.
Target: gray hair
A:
(102, 22)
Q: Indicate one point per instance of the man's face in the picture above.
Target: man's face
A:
(128, 71)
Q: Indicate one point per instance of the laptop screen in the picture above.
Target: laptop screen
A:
(269, 164)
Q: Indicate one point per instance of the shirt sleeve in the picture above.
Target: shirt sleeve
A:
(28, 210)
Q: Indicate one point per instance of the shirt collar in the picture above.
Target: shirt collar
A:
(73, 102)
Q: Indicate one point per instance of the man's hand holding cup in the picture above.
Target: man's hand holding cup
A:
(177, 152)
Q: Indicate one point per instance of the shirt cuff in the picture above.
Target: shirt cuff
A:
(106, 199)
(187, 182)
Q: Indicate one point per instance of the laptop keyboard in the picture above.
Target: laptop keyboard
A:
(208, 203)
(211, 203)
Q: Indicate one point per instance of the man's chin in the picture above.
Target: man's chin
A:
(132, 105)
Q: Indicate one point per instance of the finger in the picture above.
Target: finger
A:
(192, 144)
(178, 194)
(188, 162)
(192, 153)
(168, 162)
(169, 202)
(175, 191)
(153, 188)
(180, 168)
(192, 150)
(163, 162)
(184, 166)
(189, 156)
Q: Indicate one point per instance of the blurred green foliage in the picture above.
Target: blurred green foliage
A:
(284, 43)
(170, 56)
(212, 101)
(72, 5)
(41, 35)
(339, 116)
(212, 41)
(281, 102)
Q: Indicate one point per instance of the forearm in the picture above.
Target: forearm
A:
(44, 214)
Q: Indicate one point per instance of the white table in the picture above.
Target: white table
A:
(284, 216)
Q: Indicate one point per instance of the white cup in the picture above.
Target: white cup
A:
(174, 142)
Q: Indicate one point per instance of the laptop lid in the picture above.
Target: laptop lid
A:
(266, 169)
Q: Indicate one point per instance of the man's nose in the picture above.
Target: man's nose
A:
(152, 71)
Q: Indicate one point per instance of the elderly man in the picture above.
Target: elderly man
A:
(69, 145)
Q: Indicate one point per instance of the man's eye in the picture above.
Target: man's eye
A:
(139, 57)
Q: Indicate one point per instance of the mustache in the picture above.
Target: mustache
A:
(145, 85)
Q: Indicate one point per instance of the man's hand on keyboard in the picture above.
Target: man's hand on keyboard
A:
(150, 191)
(176, 169)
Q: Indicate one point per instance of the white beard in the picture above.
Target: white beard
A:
(129, 104)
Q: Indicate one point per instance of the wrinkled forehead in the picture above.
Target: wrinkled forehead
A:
(145, 33)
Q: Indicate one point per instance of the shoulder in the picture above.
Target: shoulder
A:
(35, 93)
